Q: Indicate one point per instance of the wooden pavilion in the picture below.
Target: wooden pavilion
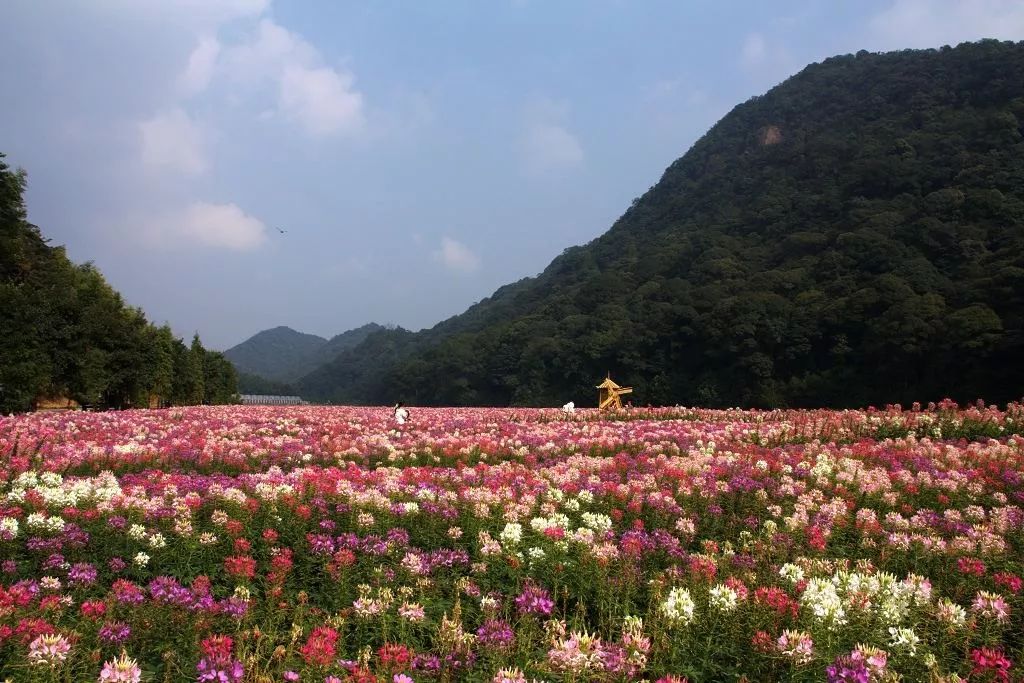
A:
(609, 394)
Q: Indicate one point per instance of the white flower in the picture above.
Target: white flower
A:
(512, 534)
(52, 479)
(597, 521)
(904, 638)
(136, 532)
(8, 528)
(678, 607)
(50, 583)
(822, 599)
(723, 598)
(157, 540)
(791, 573)
(140, 559)
(951, 613)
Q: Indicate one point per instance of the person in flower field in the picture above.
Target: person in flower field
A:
(401, 414)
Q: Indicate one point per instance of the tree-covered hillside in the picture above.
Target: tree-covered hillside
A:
(64, 332)
(283, 355)
(275, 353)
(854, 236)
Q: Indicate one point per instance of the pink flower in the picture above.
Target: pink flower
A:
(991, 605)
(991, 660)
(49, 649)
(121, 670)
(509, 676)
(797, 645)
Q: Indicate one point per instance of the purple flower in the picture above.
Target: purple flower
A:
(82, 574)
(167, 590)
(534, 600)
(846, 668)
(428, 664)
(230, 672)
(320, 544)
(54, 561)
(495, 633)
(115, 632)
(233, 607)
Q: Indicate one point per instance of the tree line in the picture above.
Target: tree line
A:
(66, 333)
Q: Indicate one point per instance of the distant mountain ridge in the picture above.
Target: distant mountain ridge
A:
(284, 355)
(854, 236)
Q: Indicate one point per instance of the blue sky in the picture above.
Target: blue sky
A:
(418, 155)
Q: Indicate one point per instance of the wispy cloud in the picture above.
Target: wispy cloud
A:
(754, 51)
(172, 140)
(322, 99)
(456, 256)
(201, 65)
(548, 145)
(222, 226)
(933, 23)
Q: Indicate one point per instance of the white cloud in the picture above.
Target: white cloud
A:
(201, 65)
(172, 140)
(933, 23)
(222, 226)
(754, 51)
(548, 145)
(266, 53)
(456, 256)
(321, 99)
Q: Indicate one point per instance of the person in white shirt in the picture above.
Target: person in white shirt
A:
(569, 408)
(401, 414)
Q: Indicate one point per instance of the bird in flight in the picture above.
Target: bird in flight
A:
(280, 231)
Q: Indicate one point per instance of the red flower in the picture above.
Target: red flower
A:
(970, 566)
(93, 609)
(992, 661)
(395, 657)
(320, 648)
(218, 648)
(1010, 582)
(241, 566)
(763, 642)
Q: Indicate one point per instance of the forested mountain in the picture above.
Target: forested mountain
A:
(283, 355)
(275, 353)
(854, 236)
(64, 332)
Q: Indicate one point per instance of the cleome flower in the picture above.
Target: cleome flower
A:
(678, 607)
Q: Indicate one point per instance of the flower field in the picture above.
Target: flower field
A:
(320, 544)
